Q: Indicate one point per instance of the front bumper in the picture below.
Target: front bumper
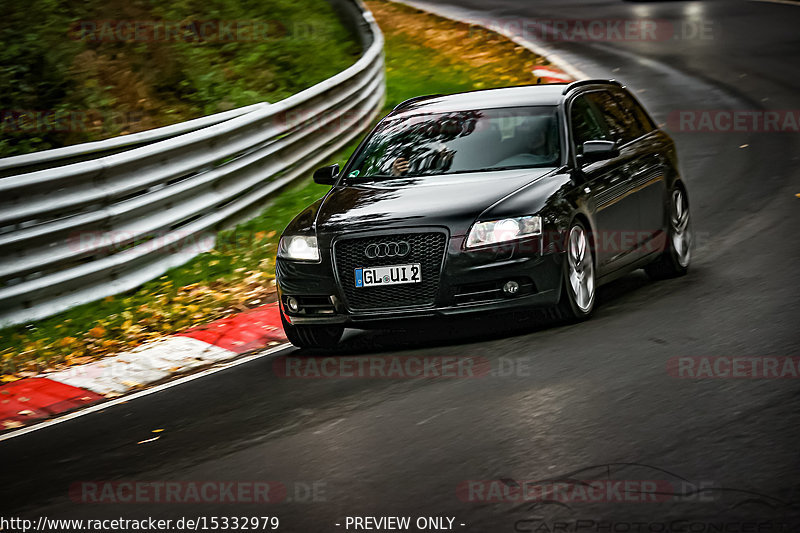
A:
(470, 283)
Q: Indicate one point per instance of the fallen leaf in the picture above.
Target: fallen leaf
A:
(66, 341)
(11, 424)
(97, 331)
(26, 412)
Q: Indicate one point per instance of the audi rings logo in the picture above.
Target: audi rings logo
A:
(388, 249)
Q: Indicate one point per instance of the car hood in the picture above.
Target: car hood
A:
(454, 201)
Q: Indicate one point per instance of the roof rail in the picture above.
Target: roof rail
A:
(598, 81)
(410, 101)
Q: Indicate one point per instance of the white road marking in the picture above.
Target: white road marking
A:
(547, 73)
(140, 394)
(146, 364)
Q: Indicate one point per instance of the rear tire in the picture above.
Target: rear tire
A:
(578, 279)
(312, 337)
(675, 259)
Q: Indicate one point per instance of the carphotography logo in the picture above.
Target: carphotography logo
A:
(594, 500)
(587, 524)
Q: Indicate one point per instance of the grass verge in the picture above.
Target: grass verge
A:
(424, 54)
(73, 72)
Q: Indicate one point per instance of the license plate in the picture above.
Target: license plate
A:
(388, 275)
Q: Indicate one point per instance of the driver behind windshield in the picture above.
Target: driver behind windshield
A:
(460, 142)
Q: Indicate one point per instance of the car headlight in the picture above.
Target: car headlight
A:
(298, 248)
(505, 230)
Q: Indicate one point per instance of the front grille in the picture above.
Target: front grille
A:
(427, 249)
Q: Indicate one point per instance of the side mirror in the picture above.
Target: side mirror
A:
(594, 151)
(326, 175)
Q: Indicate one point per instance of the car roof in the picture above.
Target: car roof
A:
(550, 94)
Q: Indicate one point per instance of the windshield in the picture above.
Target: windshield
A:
(460, 141)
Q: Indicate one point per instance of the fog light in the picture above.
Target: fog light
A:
(511, 288)
(292, 304)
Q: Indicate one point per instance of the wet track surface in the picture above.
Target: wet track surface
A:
(578, 396)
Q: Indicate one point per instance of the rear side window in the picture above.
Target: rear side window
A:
(632, 107)
(585, 123)
(622, 126)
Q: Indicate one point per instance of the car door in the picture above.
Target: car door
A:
(607, 186)
(647, 167)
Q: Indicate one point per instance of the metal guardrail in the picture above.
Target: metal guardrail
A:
(79, 232)
(19, 164)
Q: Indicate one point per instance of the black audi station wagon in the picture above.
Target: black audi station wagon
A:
(486, 201)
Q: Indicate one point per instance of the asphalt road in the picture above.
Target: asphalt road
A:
(578, 397)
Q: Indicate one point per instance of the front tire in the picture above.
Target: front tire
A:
(312, 337)
(578, 279)
(674, 261)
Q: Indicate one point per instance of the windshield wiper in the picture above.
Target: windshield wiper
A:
(510, 167)
(372, 177)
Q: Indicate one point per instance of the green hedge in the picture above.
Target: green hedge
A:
(74, 72)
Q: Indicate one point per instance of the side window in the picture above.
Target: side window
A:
(632, 107)
(584, 123)
(621, 124)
